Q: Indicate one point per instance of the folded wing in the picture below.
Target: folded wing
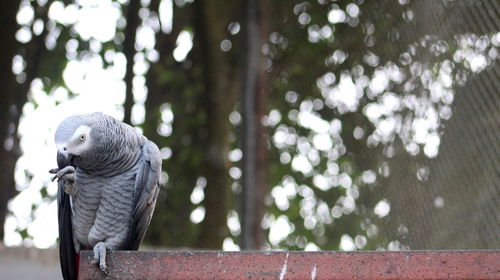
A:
(147, 186)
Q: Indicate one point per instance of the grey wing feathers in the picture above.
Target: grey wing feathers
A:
(147, 186)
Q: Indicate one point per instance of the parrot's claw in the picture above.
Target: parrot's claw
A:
(68, 174)
(100, 256)
(70, 187)
(62, 174)
(53, 171)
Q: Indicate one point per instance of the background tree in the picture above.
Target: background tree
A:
(8, 154)
(27, 51)
(315, 123)
(201, 101)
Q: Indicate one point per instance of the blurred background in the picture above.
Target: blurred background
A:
(299, 125)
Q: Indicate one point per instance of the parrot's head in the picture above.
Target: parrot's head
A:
(95, 141)
(73, 137)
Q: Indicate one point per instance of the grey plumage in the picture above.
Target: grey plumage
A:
(112, 175)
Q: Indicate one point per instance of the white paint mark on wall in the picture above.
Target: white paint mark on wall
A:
(283, 269)
(313, 272)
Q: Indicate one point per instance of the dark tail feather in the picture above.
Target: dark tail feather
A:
(77, 264)
(67, 254)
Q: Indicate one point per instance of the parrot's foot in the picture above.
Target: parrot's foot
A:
(68, 174)
(100, 256)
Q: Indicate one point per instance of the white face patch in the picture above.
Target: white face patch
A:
(78, 143)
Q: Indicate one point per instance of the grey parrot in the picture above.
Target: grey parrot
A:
(108, 182)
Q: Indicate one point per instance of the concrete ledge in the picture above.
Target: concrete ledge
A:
(295, 265)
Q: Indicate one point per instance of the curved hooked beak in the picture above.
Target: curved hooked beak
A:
(67, 156)
(61, 148)
(71, 158)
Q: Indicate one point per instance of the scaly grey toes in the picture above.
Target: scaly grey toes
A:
(60, 173)
(68, 177)
(53, 170)
(65, 171)
(69, 186)
(103, 269)
(100, 256)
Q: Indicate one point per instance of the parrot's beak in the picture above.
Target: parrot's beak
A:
(71, 158)
(62, 149)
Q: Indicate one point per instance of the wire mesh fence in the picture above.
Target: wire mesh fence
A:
(450, 200)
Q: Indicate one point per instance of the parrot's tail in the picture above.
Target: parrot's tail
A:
(77, 264)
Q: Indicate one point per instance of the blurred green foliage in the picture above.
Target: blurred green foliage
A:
(329, 63)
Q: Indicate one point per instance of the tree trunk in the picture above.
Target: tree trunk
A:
(254, 136)
(15, 93)
(129, 52)
(173, 206)
(220, 93)
(261, 110)
(9, 111)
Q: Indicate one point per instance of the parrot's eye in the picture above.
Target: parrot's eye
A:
(82, 137)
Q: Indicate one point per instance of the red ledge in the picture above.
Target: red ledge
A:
(295, 265)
